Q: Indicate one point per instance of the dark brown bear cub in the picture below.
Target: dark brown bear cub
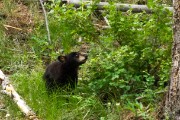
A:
(63, 73)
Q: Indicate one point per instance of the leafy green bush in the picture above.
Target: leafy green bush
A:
(68, 24)
(112, 72)
(139, 59)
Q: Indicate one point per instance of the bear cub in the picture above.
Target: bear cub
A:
(63, 73)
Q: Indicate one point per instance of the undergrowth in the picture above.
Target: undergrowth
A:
(59, 105)
(126, 73)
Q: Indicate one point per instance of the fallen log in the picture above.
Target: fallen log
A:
(119, 6)
(9, 90)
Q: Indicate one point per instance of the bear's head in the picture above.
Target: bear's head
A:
(74, 58)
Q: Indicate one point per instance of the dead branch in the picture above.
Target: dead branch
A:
(46, 21)
(9, 90)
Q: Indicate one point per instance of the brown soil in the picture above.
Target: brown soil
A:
(19, 21)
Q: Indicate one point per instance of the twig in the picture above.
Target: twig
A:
(8, 26)
(46, 20)
(86, 114)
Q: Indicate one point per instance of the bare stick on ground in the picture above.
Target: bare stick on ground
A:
(8, 89)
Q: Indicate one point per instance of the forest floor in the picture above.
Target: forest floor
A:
(17, 24)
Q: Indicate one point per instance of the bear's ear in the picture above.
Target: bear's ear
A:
(61, 59)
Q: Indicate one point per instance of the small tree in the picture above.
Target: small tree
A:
(173, 95)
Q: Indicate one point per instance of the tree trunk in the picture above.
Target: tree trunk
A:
(172, 107)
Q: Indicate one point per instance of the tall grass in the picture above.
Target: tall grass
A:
(78, 105)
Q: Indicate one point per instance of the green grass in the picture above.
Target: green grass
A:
(81, 104)
(59, 105)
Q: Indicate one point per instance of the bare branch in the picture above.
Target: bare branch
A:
(46, 21)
